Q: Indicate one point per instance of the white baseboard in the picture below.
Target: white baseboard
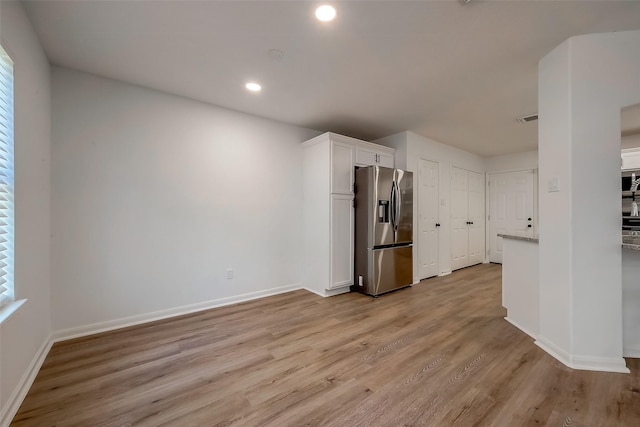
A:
(586, 363)
(110, 325)
(329, 292)
(631, 352)
(20, 392)
(522, 328)
(445, 273)
(604, 364)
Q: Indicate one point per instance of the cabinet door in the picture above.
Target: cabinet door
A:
(341, 241)
(341, 168)
(369, 157)
(386, 160)
(366, 157)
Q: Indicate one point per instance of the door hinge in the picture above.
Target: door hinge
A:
(354, 203)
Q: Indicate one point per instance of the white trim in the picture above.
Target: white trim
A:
(631, 352)
(586, 363)
(522, 328)
(554, 351)
(329, 292)
(20, 392)
(604, 364)
(110, 325)
(7, 310)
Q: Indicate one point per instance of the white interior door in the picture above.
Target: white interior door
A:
(459, 186)
(476, 218)
(510, 208)
(428, 209)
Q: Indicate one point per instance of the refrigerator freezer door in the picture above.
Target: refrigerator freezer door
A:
(404, 185)
(388, 269)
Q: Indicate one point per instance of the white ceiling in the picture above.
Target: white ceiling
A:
(457, 73)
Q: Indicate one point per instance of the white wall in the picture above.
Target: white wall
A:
(411, 148)
(25, 335)
(512, 162)
(630, 141)
(156, 196)
(583, 84)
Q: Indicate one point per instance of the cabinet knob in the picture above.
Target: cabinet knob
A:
(437, 224)
(528, 219)
(529, 226)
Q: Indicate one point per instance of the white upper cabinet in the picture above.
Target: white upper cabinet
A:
(341, 168)
(376, 155)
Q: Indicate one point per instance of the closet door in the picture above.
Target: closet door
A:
(459, 186)
(476, 218)
(428, 214)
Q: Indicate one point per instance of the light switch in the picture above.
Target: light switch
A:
(552, 185)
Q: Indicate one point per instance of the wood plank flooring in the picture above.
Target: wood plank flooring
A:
(437, 354)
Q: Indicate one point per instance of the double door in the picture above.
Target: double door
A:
(467, 218)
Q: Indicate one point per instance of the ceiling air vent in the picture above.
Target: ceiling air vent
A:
(529, 118)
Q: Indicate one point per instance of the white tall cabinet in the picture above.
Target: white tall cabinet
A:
(467, 218)
(328, 169)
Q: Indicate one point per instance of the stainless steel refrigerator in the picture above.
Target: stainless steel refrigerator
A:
(383, 248)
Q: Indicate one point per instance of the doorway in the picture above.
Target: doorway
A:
(428, 217)
(511, 208)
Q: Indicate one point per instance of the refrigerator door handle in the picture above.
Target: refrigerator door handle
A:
(394, 206)
(392, 201)
(398, 205)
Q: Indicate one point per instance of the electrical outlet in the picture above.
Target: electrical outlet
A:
(230, 273)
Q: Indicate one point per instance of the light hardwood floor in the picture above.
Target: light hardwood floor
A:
(437, 354)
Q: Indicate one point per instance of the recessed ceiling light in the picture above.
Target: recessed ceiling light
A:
(253, 87)
(325, 13)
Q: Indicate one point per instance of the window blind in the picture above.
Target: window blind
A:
(6, 179)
